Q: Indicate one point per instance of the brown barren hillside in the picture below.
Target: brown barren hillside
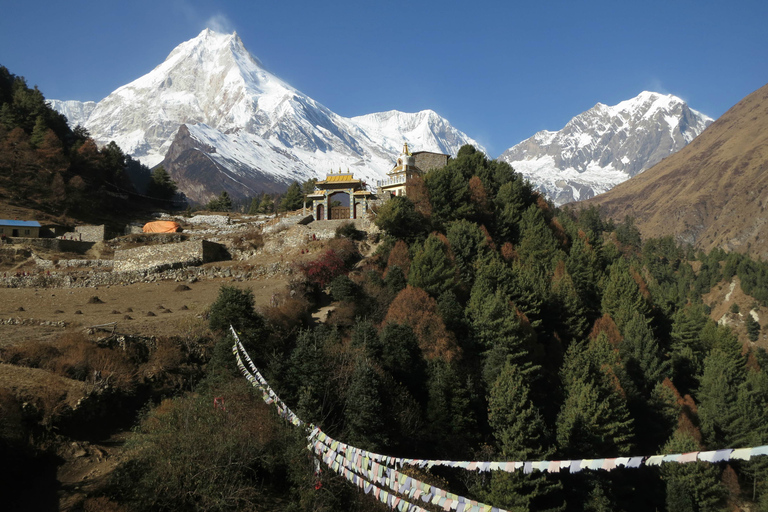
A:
(713, 192)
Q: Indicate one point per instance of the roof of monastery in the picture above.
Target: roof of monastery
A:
(338, 179)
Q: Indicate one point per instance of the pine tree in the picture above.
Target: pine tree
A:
(38, 132)
(432, 268)
(467, 243)
(753, 328)
(691, 487)
(724, 372)
(255, 206)
(293, 198)
(594, 419)
(497, 330)
(567, 304)
(538, 247)
(161, 186)
(223, 203)
(641, 354)
(521, 435)
(364, 409)
(267, 204)
(512, 199)
(583, 264)
(399, 218)
(622, 296)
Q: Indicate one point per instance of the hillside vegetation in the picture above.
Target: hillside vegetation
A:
(49, 167)
(487, 325)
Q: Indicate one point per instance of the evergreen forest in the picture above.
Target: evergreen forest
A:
(488, 325)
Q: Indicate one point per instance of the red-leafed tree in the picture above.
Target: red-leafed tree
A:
(415, 308)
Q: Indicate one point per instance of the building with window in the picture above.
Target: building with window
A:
(19, 228)
(408, 166)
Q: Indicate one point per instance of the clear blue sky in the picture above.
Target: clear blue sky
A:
(498, 70)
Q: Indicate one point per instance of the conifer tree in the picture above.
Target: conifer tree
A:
(467, 243)
(521, 434)
(364, 409)
(622, 296)
(567, 304)
(293, 199)
(38, 132)
(724, 372)
(497, 330)
(161, 186)
(753, 328)
(641, 354)
(267, 204)
(538, 247)
(583, 264)
(594, 419)
(223, 203)
(432, 268)
(399, 218)
(512, 199)
(691, 487)
(254, 207)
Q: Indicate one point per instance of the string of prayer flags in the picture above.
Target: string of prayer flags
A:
(365, 468)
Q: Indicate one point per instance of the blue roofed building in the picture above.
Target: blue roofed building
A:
(19, 228)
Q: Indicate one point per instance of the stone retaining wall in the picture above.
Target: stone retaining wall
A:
(90, 279)
(55, 244)
(159, 257)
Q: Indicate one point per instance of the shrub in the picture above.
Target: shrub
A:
(189, 455)
(321, 271)
(288, 317)
(343, 289)
(236, 307)
(348, 230)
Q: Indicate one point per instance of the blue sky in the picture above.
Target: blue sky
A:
(499, 71)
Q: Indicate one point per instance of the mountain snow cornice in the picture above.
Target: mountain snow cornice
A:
(606, 145)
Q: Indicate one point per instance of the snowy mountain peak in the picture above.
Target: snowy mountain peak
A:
(245, 130)
(606, 145)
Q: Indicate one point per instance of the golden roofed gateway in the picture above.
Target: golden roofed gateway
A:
(340, 196)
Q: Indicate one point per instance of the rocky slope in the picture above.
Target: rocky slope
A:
(713, 192)
(606, 145)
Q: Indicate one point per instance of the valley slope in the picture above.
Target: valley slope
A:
(713, 192)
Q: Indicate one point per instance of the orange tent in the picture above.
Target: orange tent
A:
(161, 226)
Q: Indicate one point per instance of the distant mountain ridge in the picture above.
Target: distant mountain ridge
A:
(713, 192)
(245, 129)
(606, 145)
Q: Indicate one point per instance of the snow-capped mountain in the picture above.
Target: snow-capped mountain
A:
(606, 145)
(76, 112)
(217, 120)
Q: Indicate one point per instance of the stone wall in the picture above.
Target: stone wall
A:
(426, 160)
(159, 257)
(91, 278)
(91, 233)
(55, 244)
